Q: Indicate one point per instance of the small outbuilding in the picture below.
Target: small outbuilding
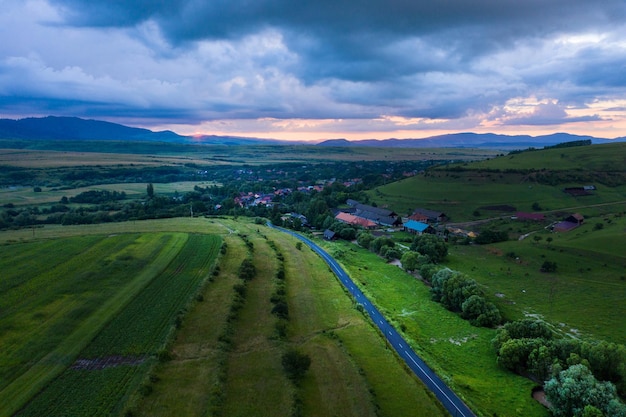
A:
(330, 235)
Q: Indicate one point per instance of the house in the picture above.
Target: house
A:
(355, 220)
(382, 212)
(418, 217)
(379, 219)
(330, 235)
(430, 215)
(413, 226)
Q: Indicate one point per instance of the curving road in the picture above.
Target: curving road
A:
(455, 406)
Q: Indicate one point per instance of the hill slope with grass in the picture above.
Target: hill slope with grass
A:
(525, 181)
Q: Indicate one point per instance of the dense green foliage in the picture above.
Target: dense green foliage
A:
(459, 293)
(575, 391)
(530, 347)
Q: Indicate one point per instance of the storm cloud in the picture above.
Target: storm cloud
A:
(409, 64)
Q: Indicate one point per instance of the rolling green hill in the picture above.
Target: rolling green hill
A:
(516, 182)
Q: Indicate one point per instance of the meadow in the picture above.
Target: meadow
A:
(523, 181)
(64, 154)
(582, 299)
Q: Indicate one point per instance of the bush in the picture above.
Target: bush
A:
(295, 364)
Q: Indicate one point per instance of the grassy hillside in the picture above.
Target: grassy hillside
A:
(517, 182)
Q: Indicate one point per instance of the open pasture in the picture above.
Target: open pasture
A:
(604, 157)
(19, 196)
(94, 154)
(583, 298)
(95, 297)
(474, 195)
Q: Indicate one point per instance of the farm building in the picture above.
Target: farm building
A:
(578, 191)
(570, 222)
(377, 218)
(381, 216)
(355, 220)
(430, 216)
(413, 226)
(364, 208)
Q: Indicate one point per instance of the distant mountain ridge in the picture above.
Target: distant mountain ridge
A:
(472, 140)
(53, 128)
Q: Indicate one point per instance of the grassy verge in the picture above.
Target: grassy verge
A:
(461, 354)
(352, 371)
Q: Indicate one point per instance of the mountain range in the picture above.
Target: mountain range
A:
(53, 128)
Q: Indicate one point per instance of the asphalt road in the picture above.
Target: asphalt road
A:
(455, 406)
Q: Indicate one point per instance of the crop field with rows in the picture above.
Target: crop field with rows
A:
(86, 315)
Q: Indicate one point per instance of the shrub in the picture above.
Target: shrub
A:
(295, 364)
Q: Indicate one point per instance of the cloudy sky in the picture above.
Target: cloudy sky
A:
(319, 69)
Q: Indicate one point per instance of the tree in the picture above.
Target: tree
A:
(295, 364)
(480, 312)
(364, 239)
(430, 245)
(150, 190)
(379, 243)
(548, 266)
(410, 261)
(575, 388)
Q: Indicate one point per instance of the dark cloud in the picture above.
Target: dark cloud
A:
(548, 114)
(337, 59)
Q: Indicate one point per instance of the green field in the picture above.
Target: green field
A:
(352, 372)
(583, 298)
(89, 344)
(476, 190)
(39, 154)
(26, 196)
(461, 354)
(91, 298)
